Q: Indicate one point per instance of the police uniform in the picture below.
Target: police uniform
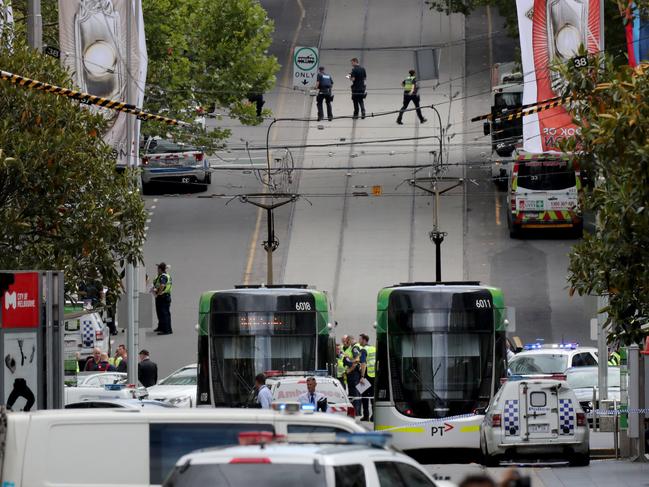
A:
(614, 359)
(370, 374)
(324, 83)
(410, 94)
(163, 303)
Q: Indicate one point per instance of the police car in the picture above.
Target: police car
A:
(84, 330)
(358, 459)
(102, 385)
(534, 417)
(291, 387)
(556, 358)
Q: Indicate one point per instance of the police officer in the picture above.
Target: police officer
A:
(258, 99)
(410, 94)
(162, 291)
(614, 358)
(358, 77)
(354, 366)
(340, 366)
(324, 85)
(368, 373)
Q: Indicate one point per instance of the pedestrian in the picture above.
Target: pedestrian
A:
(410, 94)
(162, 291)
(104, 364)
(317, 399)
(92, 363)
(258, 99)
(368, 373)
(264, 396)
(353, 370)
(147, 370)
(122, 361)
(358, 76)
(324, 84)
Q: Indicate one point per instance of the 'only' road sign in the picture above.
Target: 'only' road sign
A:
(305, 67)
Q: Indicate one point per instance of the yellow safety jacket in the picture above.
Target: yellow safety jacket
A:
(614, 358)
(156, 283)
(409, 83)
(371, 360)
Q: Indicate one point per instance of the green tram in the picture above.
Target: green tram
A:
(441, 353)
(260, 329)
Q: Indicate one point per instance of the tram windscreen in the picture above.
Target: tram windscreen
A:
(441, 361)
(246, 344)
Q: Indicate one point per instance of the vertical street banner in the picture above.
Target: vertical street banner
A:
(551, 31)
(637, 35)
(93, 44)
(20, 319)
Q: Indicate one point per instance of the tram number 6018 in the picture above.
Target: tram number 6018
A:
(482, 303)
(303, 306)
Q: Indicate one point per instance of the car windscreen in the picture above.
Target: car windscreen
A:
(546, 175)
(248, 474)
(549, 363)
(587, 377)
(292, 390)
(184, 377)
(168, 147)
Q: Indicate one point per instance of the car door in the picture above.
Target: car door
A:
(540, 410)
(401, 474)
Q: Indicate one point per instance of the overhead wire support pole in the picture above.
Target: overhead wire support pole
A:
(441, 132)
(436, 236)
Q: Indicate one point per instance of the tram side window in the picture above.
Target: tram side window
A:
(170, 441)
(350, 476)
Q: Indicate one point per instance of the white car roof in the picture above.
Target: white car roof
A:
(293, 453)
(297, 379)
(547, 350)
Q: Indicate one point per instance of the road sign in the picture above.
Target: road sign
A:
(305, 67)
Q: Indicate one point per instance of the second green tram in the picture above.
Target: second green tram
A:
(254, 329)
(441, 353)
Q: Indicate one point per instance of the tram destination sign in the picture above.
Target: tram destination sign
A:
(305, 67)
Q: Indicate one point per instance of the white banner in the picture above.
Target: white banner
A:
(93, 43)
(552, 31)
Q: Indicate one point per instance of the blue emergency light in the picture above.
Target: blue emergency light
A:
(371, 438)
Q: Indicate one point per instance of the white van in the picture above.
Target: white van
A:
(130, 447)
(535, 417)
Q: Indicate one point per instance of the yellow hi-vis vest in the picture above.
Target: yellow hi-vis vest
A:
(614, 359)
(156, 283)
(409, 83)
(340, 368)
(371, 360)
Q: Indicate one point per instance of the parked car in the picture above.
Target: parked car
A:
(531, 417)
(103, 385)
(289, 388)
(583, 380)
(165, 160)
(178, 388)
(118, 403)
(327, 464)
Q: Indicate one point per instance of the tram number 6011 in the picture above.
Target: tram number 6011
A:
(482, 303)
(303, 306)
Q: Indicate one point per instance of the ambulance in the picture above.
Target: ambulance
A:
(535, 418)
(544, 192)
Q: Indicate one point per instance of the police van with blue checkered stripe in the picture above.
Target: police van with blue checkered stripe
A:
(535, 417)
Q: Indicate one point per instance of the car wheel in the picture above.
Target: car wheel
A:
(579, 459)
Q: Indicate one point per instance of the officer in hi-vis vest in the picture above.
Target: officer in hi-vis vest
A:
(162, 291)
(368, 373)
(410, 94)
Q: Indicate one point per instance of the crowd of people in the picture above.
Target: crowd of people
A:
(147, 370)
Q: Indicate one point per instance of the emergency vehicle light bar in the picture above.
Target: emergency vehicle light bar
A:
(562, 346)
(370, 438)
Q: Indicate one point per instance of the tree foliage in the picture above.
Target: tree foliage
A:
(62, 204)
(613, 147)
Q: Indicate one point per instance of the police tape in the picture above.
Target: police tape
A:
(87, 98)
(526, 109)
(617, 412)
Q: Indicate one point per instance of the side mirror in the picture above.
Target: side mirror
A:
(486, 128)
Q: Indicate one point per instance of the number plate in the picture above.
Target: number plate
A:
(539, 428)
(532, 214)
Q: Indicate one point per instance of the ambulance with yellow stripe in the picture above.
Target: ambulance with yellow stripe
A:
(544, 192)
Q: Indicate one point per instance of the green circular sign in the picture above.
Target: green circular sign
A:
(305, 59)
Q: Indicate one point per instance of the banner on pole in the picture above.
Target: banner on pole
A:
(551, 31)
(92, 37)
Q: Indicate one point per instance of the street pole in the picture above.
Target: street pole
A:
(441, 134)
(602, 350)
(269, 244)
(34, 25)
(130, 271)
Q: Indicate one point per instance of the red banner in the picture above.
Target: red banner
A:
(20, 304)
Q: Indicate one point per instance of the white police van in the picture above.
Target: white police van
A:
(535, 417)
(357, 459)
(131, 447)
